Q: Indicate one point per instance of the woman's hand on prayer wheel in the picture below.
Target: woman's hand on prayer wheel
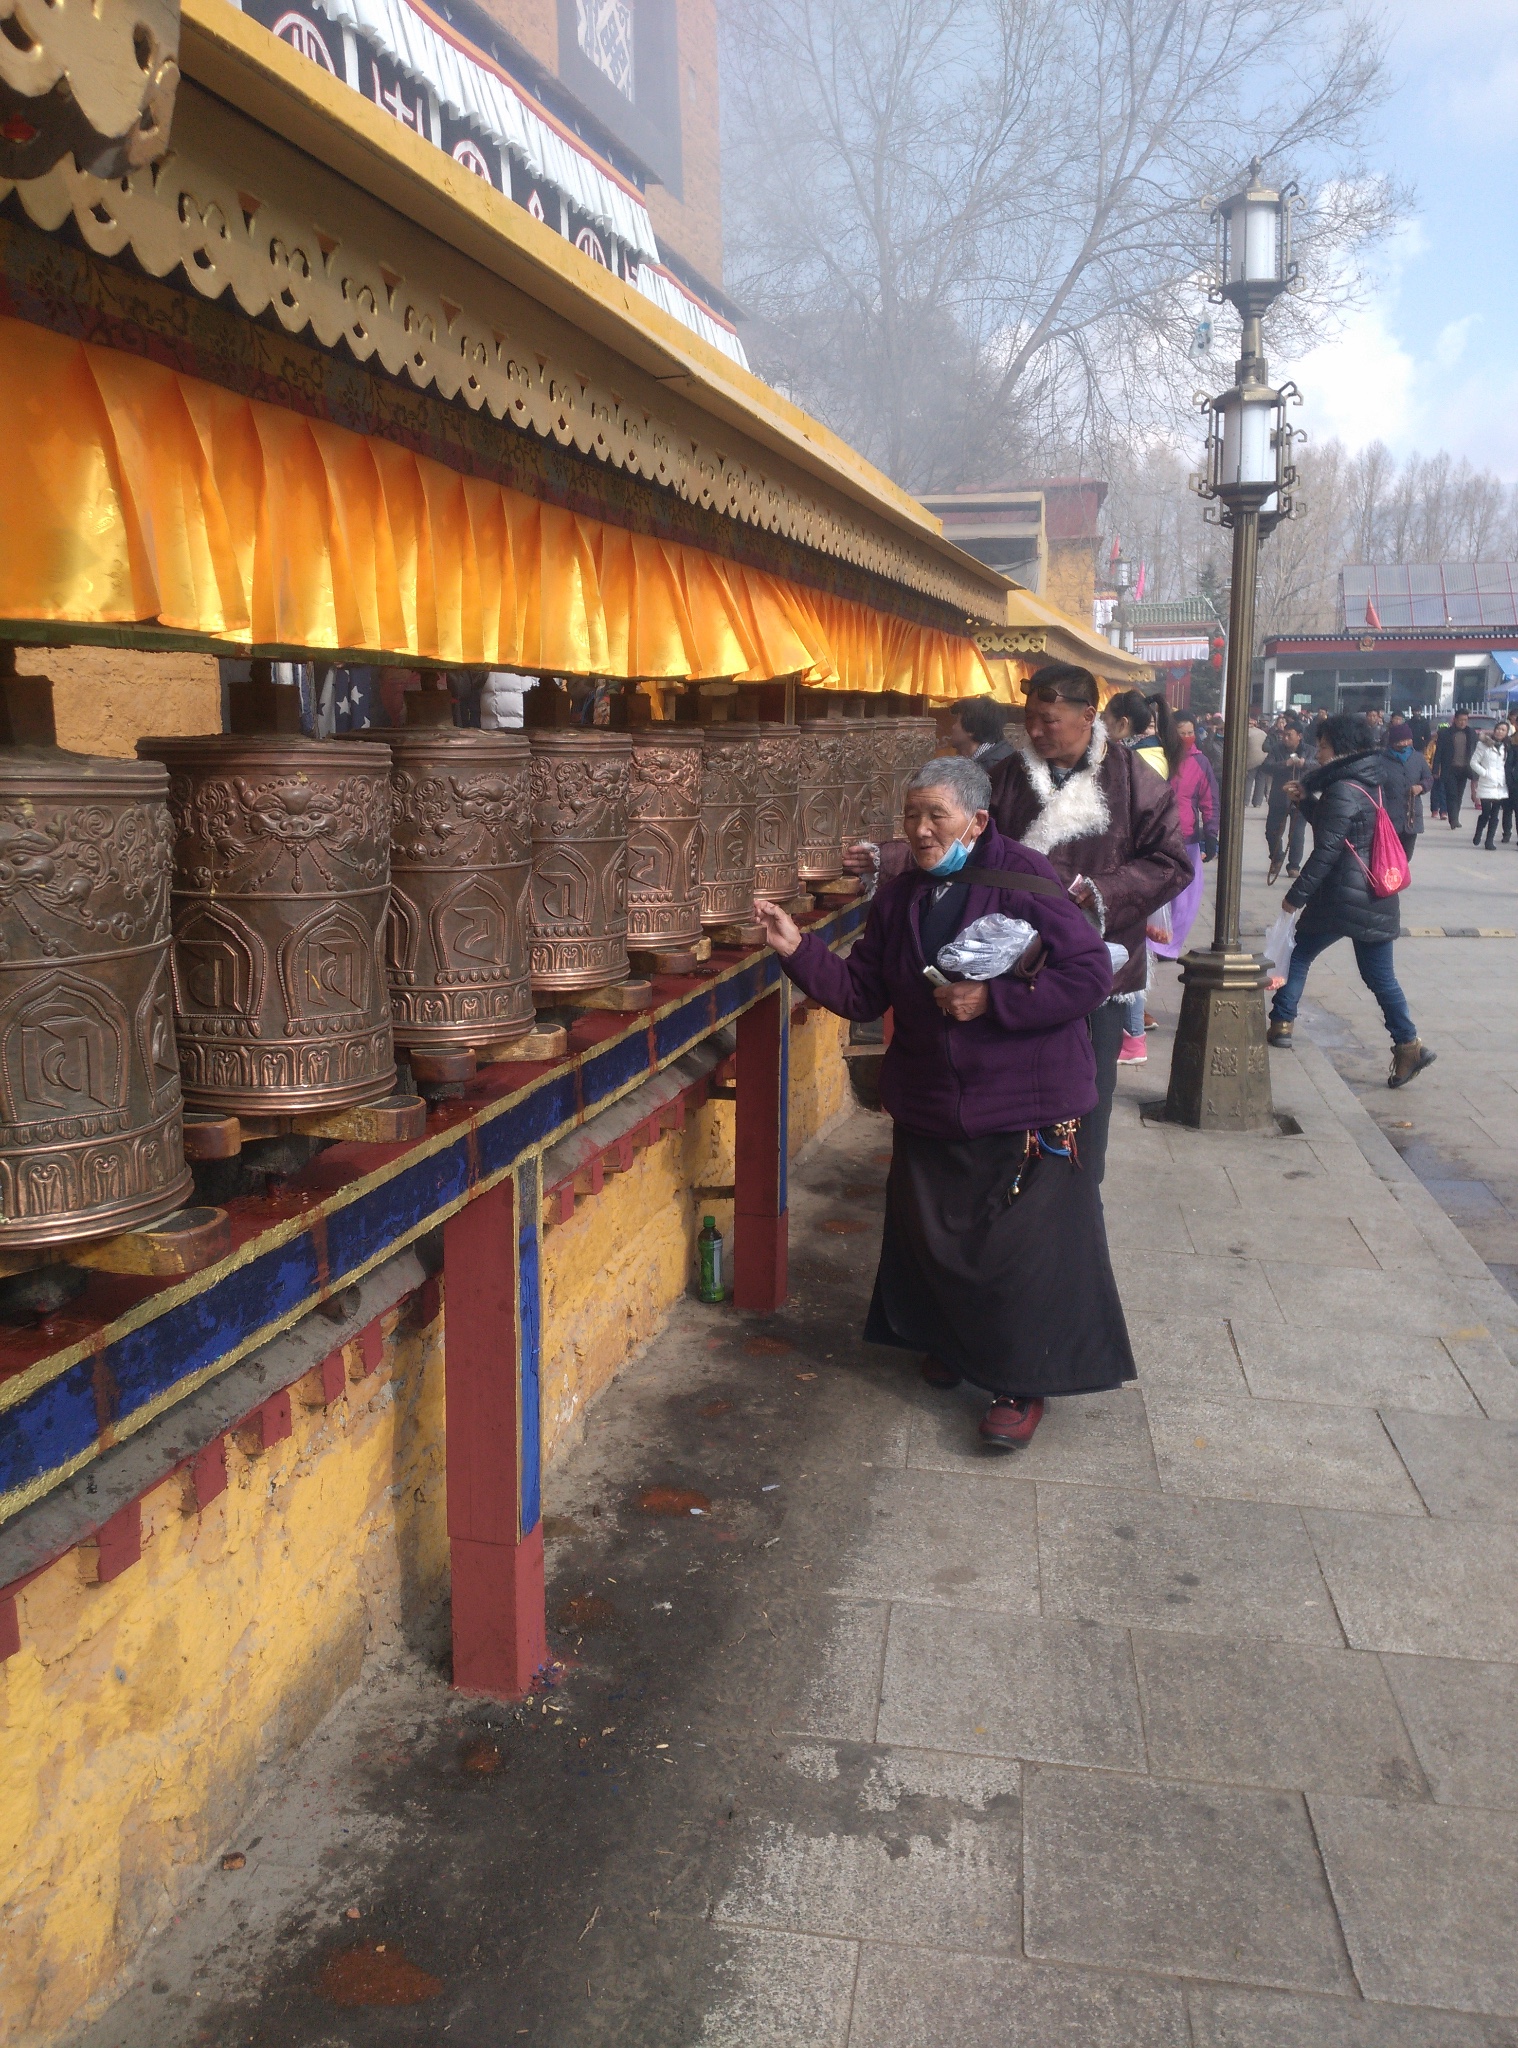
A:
(962, 1000)
(780, 929)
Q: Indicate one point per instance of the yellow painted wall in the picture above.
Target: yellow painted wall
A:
(1070, 577)
(612, 1273)
(136, 1715)
(105, 699)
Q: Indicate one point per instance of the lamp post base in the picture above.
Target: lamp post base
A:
(1220, 1067)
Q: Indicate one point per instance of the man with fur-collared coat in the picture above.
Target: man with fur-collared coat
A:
(1109, 827)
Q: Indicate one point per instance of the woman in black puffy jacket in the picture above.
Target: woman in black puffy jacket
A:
(1333, 892)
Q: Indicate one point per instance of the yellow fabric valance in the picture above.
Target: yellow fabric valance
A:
(136, 495)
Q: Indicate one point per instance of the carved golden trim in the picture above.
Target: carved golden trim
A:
(95, 78)
(1013, 640)
(235, 209)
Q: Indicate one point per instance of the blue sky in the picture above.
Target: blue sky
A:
(1430, 359)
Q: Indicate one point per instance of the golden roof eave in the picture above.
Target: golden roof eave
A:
(240, 62)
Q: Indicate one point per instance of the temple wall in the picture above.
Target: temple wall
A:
(106, 698)
(140, 1717)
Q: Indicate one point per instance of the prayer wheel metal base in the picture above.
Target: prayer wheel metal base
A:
(281, 887)
(777, 813)
(92, 1137)
(577, 922)
(729, 789)
(819, 846)
(664, 838)
(460, 869)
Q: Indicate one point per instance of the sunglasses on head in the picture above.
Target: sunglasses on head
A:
(1051, 693)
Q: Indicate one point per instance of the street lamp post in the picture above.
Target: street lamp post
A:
(1122, 583)
(1220, 1067)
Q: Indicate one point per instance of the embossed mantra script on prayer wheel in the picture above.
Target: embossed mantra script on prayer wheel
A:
(92, 1138)
(664, 836)
(729, 787)
(877, 817)
(578, 918)
(820, 802)
(777, 812)
(857, 755)
(460, 866)
(281, 883)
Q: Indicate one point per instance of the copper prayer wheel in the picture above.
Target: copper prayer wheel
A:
(729, 790)
(915, 742)
(879, 816)
(460, 865)
(857, 756)
(819, 840)
(281, 887)
(664, 836)
(777, 813)
(92, 1137)
(577, 922)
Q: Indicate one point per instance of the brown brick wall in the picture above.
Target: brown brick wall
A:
(692, 227)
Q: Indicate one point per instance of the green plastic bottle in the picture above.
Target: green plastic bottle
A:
(710, 1243)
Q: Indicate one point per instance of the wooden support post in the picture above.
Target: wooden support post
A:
(760, 1142)
(490, 1336)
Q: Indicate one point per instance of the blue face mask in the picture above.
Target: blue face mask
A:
(952, 861)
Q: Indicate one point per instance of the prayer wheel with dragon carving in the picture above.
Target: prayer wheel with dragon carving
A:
(92, 1122)
(281, 888)
(577, 928)
(460, 867)
(729, 788)
(777, 813)
(664, 837)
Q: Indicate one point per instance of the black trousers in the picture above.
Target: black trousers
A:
(1455, 780)
(1491, 810)
(1277, 838)
(1106, 1026)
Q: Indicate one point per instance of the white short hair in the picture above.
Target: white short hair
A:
(967, 781)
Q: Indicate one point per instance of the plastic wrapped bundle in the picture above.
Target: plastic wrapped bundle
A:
(501, 700)
(988, 947)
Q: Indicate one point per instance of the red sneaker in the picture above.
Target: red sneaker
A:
(937, 1374)
(1006, 1424)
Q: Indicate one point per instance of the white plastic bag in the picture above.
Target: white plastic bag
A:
(987, 947)
(1280, 944)
(1159, 927)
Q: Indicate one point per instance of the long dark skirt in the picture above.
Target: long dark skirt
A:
(1017, 1295)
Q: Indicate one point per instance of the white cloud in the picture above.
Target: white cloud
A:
(1362, 385)
(1452, 337)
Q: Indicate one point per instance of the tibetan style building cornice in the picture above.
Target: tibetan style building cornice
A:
(308, 205)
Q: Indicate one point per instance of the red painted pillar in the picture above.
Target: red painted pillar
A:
(759, 1199)
(499, 1637)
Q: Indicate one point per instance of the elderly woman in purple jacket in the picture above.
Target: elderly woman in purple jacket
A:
(994, 1260)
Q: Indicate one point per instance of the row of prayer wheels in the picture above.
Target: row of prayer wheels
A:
(250, 924)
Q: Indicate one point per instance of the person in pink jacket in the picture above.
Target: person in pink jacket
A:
(1196, 798)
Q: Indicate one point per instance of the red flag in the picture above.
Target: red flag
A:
(1372, 616)
(1143, 577)
(1117, 547)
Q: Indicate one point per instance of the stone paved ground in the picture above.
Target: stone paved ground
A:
(1193, 1726)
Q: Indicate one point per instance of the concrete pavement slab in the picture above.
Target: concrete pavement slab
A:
(1162, 1284)
(999, 1685)
(942, 1537)
(1326, 1239)
(780, 1991)
(1401, 1304)
(1197, 1880)
(1087, 1440)
(1463, 1721)
(1188, 1567)
(804, 1666)
(1428, 1588)
(1356, 1368)
(1258, 1713)
(888, 1846)
(1188, 1355)
(1284, 1451)
(1426, 1898)
(1486, 1368)
(1461, 1465)
(1223, 2017)
(908, 1998)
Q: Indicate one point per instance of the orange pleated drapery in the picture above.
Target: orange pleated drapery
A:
(136, 495)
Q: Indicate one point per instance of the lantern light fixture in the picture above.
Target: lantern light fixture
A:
(1255, 263)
